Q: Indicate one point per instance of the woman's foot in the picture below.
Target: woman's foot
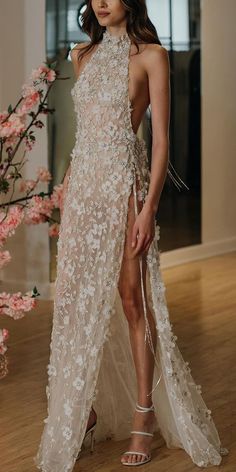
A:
(143, 421)
(91, 421)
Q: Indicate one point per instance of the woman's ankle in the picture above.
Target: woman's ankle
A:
(145, 402)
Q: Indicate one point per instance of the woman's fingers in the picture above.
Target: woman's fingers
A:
(140, 244)
(143, 244)
(147, 245)
(134, 235)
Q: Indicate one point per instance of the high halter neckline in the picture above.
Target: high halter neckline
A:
(114, 39)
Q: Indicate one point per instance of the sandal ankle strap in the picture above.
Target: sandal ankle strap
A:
(142, 432)
(144, 409)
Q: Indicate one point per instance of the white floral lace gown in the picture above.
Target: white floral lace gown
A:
(90, 358)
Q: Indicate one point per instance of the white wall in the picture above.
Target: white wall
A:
(218, 101)
(218, 120)
(22, 48)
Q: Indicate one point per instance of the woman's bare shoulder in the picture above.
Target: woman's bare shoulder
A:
(151, 51)
(155, 51)
(78, 47)
(154, 55)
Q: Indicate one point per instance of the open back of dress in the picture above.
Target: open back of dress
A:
(90, 353)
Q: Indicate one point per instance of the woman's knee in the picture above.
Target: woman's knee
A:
(132, 305)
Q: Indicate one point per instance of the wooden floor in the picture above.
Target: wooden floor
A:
(202, 299)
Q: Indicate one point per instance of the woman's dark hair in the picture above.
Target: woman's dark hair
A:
(139, 26)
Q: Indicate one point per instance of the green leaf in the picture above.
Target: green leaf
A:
(53, 64)
(35, 292)
(4, 186)
(9, 109)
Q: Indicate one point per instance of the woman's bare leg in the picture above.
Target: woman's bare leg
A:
(131, 296)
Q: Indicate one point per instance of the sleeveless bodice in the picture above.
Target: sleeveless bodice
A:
(103, 108)
(105, 139)
(101, 95)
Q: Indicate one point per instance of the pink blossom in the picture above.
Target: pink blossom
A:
(39, 210)
(16, 304)
(4, 232)
(14, 216)
(5, 257)
(43, 72)
(9, 224)
(13, 126)
(4, 335)
(54, 230)
(51, 75)
(43, 174)
(27, 185)
(11, 141)
(3, 349)
(28, 90)
(57, 196)
(3, 116)
(31, 99)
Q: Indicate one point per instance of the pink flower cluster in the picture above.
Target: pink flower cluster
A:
(13, 126)
(43, 73)
(16, 304)
(39, 210)
(54, 230)
(3, 116)
(27, 185)
(57, 196)
(31, 99)
(4, 334)
(43, 174)
(8, 225)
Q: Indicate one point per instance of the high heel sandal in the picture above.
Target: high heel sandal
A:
(147, 457)
(90, 431)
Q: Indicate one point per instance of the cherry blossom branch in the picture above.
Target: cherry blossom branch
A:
(18, 200)
(32, 208)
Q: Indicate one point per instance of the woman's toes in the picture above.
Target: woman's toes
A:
(133, 458)
(124, 458)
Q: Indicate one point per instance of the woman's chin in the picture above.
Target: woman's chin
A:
(104, 22)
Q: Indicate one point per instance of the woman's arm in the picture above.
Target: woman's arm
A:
(159, 90)
(158, 70)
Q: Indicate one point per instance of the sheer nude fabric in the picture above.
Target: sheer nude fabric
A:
(90, 353)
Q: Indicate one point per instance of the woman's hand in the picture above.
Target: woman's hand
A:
(143, 230)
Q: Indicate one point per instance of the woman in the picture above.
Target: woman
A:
(108, 247)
